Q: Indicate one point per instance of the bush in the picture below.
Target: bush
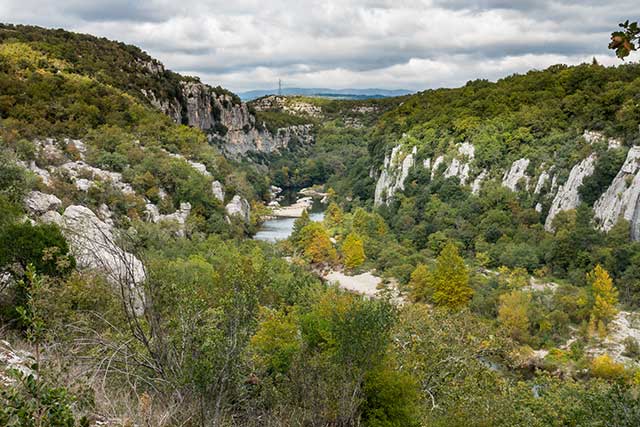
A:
(605, 367)
(42, 246)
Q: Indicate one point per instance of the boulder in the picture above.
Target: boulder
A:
(238, 206)
(179, 217)
(217, 190)
(93, 244)
(39, 203)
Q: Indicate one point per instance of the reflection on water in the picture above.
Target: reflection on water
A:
(280, 228)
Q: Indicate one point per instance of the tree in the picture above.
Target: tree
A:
(450, 279)
(298, 225)
(316, 244)
(624, 42)
(333, 215)
(353, 250)
(512, 314)
(419, 283)
(604, 295)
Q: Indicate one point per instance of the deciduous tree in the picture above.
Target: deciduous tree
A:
(353, 250)
(450, 279)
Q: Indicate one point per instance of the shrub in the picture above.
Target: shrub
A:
(605, 367)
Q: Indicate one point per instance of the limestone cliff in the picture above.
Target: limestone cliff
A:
(394, 172)
(622, 198)
(223, 117)
(568, 197)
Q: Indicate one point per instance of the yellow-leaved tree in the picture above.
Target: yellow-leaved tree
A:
(604, 298)
(450, 279)
(316, 244)
(513, 314)
(353, 251)
(333, 215)
(419, 283)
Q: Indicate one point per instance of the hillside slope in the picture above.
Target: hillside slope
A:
(226, 121)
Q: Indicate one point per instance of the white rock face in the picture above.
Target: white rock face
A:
(567, 197)
(238, 206)
(436, 164)
(460, 166)
(84, 174)
(39, 203)
(622, 198)
(394, 171)
(592, 137)
(44, 174)
(217, 190)
(477, 183)
(200, 167)
(624, 325)
(517, 172)
(179, 217)
(94, 247)
(542, 180)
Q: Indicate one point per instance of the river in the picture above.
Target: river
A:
(276, 229)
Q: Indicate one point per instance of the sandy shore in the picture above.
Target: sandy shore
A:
(365, 283)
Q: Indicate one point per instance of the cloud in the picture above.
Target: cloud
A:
(414, 44)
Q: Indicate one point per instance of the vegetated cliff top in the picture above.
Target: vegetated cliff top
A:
(519, 114)
(117, 64)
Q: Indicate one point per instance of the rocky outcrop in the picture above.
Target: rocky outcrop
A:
(436, 165)
(226, 119)
(241, 141)
(395, 170)
(542, 180)
(239, 207)
(477, 183)
(516, 174)
(622, 198)
(294, 107)
(460, 166)
(38, 203)
(84, 175)
(94, 247)
(592, 137)
(567, 196)
(179, 217)
(217, 190)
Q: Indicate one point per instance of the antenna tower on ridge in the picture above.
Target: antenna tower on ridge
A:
(279, 87)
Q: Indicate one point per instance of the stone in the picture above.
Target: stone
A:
(515, 174)
(39, 203)
(238, 206)
(477, 183)
(622, 197)
(542, 180)
(94, 247)
(218, 191)
(436, 164)
(395, 170)
(567, 196)
(460, 165)
(179, 217)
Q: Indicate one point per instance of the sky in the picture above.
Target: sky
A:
(391, 44)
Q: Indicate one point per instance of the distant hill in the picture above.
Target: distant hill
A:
(327, 93)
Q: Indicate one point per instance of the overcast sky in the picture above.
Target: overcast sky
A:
(412, 44)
